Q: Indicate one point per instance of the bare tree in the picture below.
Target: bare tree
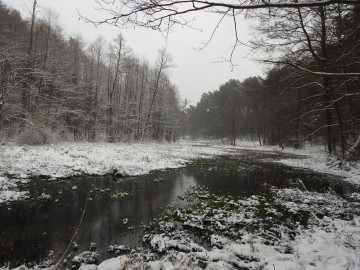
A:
(29, 65)
(53, 85)
(97, 53)
(163, 14)
(164, 62)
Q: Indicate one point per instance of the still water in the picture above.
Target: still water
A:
(115, 208)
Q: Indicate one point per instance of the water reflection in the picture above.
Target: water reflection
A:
(30, 229)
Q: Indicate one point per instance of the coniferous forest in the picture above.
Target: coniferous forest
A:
(310, 94)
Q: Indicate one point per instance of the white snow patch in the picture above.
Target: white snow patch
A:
(9, 195)
(114, 263)
(312, 157)
(67, 159)
(9, 191)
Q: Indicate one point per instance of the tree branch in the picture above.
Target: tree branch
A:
(317, 73)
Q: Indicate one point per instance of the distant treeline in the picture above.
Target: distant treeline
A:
(53, 86)
(312, 93)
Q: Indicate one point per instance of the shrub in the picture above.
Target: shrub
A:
(33, 136)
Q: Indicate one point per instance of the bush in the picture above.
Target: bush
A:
(33, 136)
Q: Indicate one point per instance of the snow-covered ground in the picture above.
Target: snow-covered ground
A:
(68, 159)
(237, 230)
(289, 232)
(9, 192)
(312, 157)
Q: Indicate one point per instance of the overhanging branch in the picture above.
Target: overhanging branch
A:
(316, 73)
(146, 13)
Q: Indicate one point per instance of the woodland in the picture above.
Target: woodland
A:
(311, 93)
(91, 175)
(58, 87)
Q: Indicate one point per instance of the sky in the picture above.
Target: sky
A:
(196, 70)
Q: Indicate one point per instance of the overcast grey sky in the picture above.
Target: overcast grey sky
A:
(196, 71)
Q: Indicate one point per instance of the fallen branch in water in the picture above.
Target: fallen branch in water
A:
(73, 237)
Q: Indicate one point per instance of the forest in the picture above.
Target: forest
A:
(311, 92)
(104, 166)
(58, 88)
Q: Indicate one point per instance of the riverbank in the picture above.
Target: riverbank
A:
(294, 229)
(18, 163)
(69, 159)
(289, 232)
(313, 157)
(62, 160)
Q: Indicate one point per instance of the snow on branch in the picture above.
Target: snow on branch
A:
(316, 73)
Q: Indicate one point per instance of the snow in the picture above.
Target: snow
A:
(88, 267)
(237, 237)
(330, 242)
(114, 263)
(8, 195)
(313, 157)
(68, 159)
(9, 190)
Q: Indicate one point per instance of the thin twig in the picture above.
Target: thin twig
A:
(311, 212)
(303, 185)
(73, 237)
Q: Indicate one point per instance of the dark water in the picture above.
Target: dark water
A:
(30, 229)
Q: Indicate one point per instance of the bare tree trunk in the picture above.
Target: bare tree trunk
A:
(47, 45)
(341, 127)
(140, 106)
(26, 87)
(326, 81)
(354, 152)
(164, 62)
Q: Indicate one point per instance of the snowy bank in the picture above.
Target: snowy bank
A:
(68, 159)
(9, 191)
(288, 232)
(313, 157)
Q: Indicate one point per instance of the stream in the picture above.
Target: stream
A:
(116, 208)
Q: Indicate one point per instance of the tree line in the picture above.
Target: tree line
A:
(53, 86)
(311, 92)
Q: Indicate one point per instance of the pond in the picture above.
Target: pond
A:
(115, 208)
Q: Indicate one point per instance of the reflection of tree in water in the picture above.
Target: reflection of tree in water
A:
(25, 226)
